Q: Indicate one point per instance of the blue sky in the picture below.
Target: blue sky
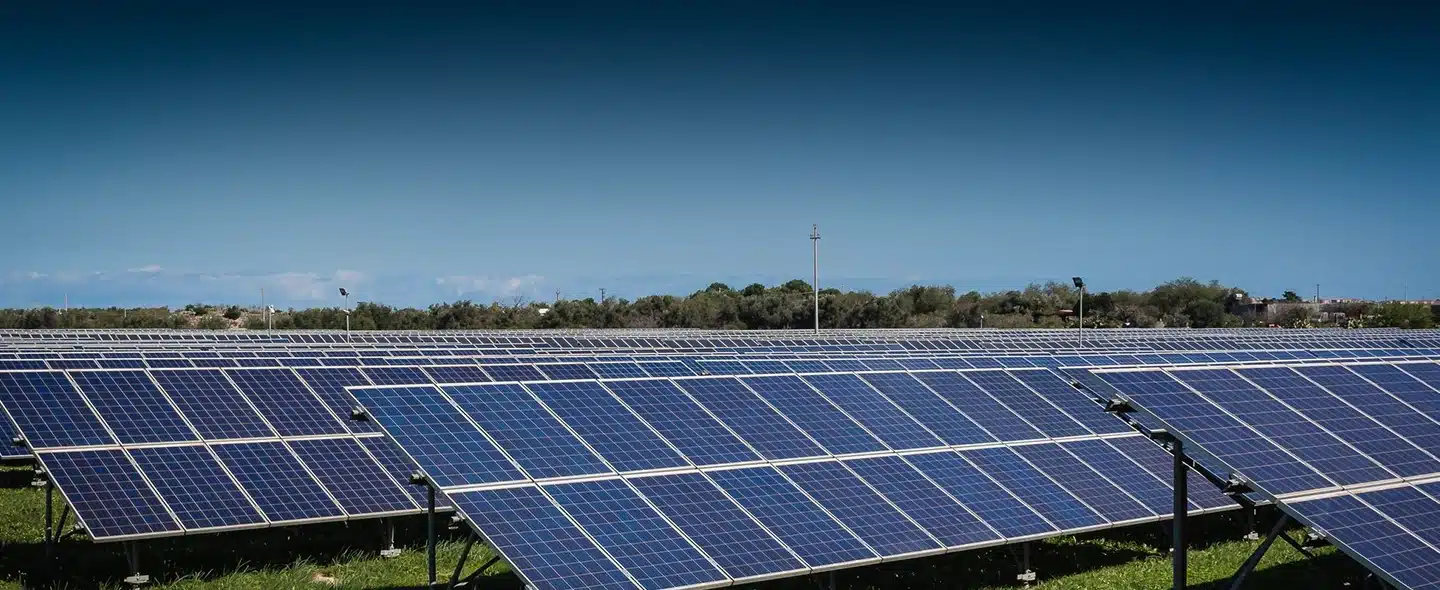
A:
(163, 154)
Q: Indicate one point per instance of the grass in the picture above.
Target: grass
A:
(346, 556)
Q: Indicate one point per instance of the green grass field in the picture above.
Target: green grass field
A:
(346, 556)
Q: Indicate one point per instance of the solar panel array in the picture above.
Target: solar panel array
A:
(708, 481)
(1347, 448)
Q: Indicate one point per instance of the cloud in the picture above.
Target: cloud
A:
(147, 269)
(465, 284)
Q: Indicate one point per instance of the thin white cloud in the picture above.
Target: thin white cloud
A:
(147, 269)
(461, 285)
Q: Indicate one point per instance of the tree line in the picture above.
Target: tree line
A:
(1183, 302)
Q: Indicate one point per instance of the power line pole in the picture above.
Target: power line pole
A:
(602, 295)
(815, 270)
(1317, 293)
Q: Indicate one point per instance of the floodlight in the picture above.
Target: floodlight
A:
(1079, 282)
(343, 292)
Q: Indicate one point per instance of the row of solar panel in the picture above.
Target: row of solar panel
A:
(1302, 429)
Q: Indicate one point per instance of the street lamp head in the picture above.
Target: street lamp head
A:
(1079, 282)
(343, 292)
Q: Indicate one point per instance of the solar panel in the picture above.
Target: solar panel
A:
(813, 413)
(637, 537)
(513, 372)
(330, 384)
(965, 396)
(213, 406)
(1100, 494)
(618, 370)
(693, 431)
(396, 375)
(794, 518)
(877, 414)
(667, 369)
(283, 489)
(1071, 401)
(755, 421)
(996, 506)
(50, 411)
(540, 542)
(526, 431)
(286, 402)
(434, 433)
(865, 512)
(738, 544)
(924, 406)
(196, 488)
(930, 506)
(355, 481)
(1370, 536)
(133, 407)
(1030, 406)
(567, 371)
(1379, 405)
(1050, 500)
(109, 496)
(400, 468)
(619, 436)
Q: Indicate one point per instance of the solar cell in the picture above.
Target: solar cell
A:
(1034, 409)
(754, 420)
(929, 409)
(813, 413)
(619, 436)
(654, 553)
(975, 404)
(1032, 486)
(995, 506)
(107, 493)
(738, 544)
(887, 422)
(539, 541)
(277, 482)
(800, 523)
(196, 488)
(133, 407)
(862, 510)
(356, 481)
(214, 407)
(684, 423)
(929, 505)
(49, 410)
(526, 430)
(1100, 494)
(436, 435)
(286, 403)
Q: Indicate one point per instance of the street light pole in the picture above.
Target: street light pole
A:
(1079, 282)
(346, 295)
(815, 271)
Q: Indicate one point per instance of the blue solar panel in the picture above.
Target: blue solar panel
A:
(434, 433)
(618, 370)
(286, 403)
(927, 408)
(567, 371)
(1028, 404)
(1031, 486)
(14, 365)
(962, 394)
(1377, 404)
(667, 369)
(63, 364)
(132, 406)
(513, 372)
(681, 421)
(1239, 447)
(107, 493)
(766, 367)
(620, 437)
(1071, 401)
(1084, 483)
(214, 363)
(918, 364)
(212, 404)
(1291, 431)
(1427, 372)
(883, 365)
(1149, 490)
(844, 365)
(953, 363)
(277, 482)
(1409, 507)
(724, 368)
(634, 534)
(993, 504)
(751, 418)
(49, 411)
(929, 505)
(169, 364)
(259, 363)
(526, 431)
(1161, 465)
(396, 375)
(452, 374)
(196, 487)
(1357, 527)
(1343, 421)
(356, 481)
(863, 511)
(813, 413)
(400, 469)
(330, 384)
(875, 412)
(539, 541)
(740, 546)
(121, 363)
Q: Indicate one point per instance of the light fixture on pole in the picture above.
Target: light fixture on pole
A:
(346, 295)
(270, 318)
(1080, 284)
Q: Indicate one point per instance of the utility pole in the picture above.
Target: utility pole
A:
(1317, 293)
(602, 295)
(815, 271)
(557, 296)
(264, 311)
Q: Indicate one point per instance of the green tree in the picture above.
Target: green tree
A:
(234, 312)
(1290, 297)
(1404, 315)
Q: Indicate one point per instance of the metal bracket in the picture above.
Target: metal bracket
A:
(18, 441)
(1237, 580)
(358, 414)
(1236, 487)
(1118, 406)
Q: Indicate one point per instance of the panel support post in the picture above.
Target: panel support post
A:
(1251, 532)
(49, 520)
(1276, 531)
(1181, 508)
(132, 557)
(387, 538)
(832, 579)
(430, 532)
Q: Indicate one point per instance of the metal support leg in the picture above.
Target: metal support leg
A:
(1277, 531)
(387, 538)
(49, 520)
(430, 532)
(60, 525)
(1026, 575)
(1179, 552)
(460, 564)
(132, 556)
(832, 579)
(1252, 533)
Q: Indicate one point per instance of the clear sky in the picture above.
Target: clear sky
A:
(167, 152)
